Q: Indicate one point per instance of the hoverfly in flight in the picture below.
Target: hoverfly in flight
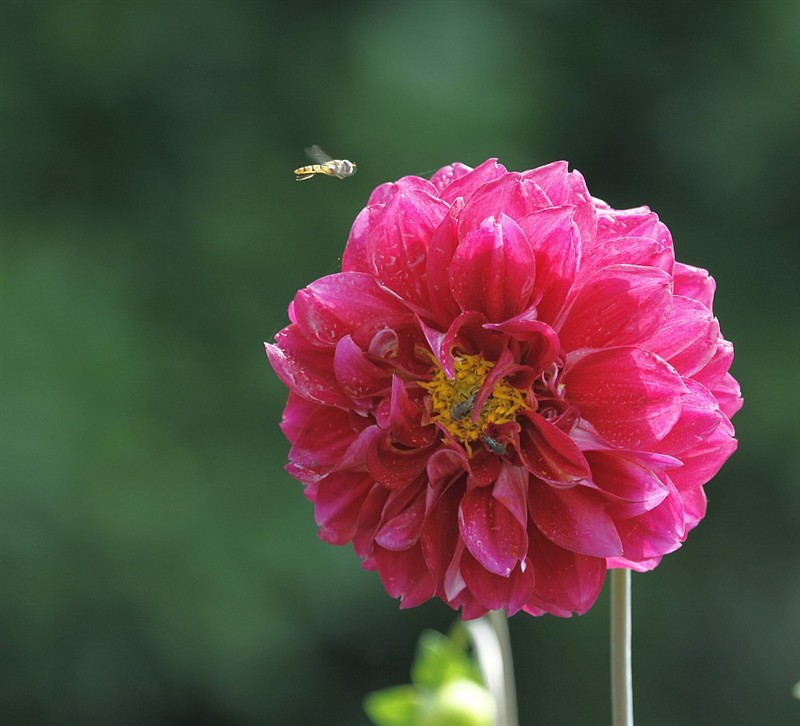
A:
(340, 168)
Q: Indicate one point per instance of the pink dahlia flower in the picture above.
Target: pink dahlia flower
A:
(508, 389)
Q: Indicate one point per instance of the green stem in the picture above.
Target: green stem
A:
(621, 681)
(492, 642)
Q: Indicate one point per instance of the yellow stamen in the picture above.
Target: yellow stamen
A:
(449, 395)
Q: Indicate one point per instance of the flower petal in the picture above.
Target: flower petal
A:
(701, 463)
(493, 270)
(390, 238)
(694, 283)
(405, 575)
(687, 339)
(337, 504)
(346, 303)
(549, 453)
(575, 519)
(565, 582)
(491, 533)
(618, 305)
(467, 184)
(359, 377)
(699, 418)
(556, 244)
(627, 481)
(656, 532)
(509, 194)
(305, 369)
(496, 592)
(631, 397)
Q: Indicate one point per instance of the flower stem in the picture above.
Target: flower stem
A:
(492, 642)
(621, 681)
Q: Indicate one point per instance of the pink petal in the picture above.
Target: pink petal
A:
(497, 592)
(555, 240)
(403, 530)
(627, 481)
(511, 490)
(405, 575)
(698, 420)
(702, 463)
(394, 467)
(359, 377)
(491, 533)
(493, 270)
(467, 184)
(565, 582)
(305, 369)
(549, 453)
(687, 339)
(337, 504)
(631, 397)
(695, 504)
(714, 371)
(542, 342)
(346, 303)
(618, 305)
(442, 247)
(694, 283)
(729, 395)
(510, 194)
(564, 187)
(575, 519)
(440, 536)
(392, 242)
(656, 532)
(448, 174)
(322, 442)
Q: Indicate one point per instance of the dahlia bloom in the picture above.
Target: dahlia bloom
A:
(510, 388)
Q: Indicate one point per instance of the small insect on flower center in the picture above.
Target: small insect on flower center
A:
(453, 402)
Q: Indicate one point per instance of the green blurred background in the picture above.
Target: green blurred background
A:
(158, 565)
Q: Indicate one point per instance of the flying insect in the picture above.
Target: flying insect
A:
(340, 168)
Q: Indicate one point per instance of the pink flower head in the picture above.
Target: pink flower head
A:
(508, 389)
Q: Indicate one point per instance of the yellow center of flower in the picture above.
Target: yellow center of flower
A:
(453, 401)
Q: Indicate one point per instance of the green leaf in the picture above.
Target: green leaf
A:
(439, 660)
(397, 706)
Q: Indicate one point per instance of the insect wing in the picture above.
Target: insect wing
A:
(317, 154)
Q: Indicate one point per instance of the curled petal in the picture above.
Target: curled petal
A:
(619, 305)
(549, 453)
(694, 283)
(632, 397)
(493, 270)
(305, 369)
(627, 481)
(491, 533)
(496, 592)
(556, 244)
(442, 247)
(563, 187)
(346, 303)
(510, 194)
(405, 575)
(688, 337)
(565, 582)
(392, 242)
(658, 531)
(511, 490)
(337, 505)
(395, 467)
(542, 343)
(465, 185)
(321, 444)
(702, 462)
(358, 376)
(699, 418)
(403, 530)
(575, 519)
(729, 395)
